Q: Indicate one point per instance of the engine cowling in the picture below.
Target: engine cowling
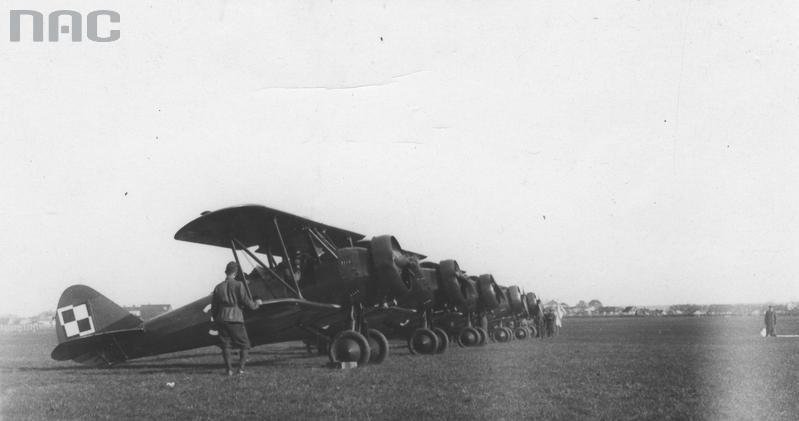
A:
(504, 302)
(448, 277)
(531, 304)
(469, 291)
(389, 263)
(488, 291)
(515, 299)
(423, 284)
(459, 290)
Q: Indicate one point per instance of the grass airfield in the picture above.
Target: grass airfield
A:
(705, 368)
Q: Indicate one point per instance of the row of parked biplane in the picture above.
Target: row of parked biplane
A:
(329, 287)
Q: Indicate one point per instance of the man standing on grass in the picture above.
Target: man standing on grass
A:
(228, 300)
(538, 317)
(771, 322)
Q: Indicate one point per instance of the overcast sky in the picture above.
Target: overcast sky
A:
(638, 152)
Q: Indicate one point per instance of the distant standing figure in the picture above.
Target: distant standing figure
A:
(559, 312)
(549, 320)
(538, 317)
(227, 302)
(771, 322)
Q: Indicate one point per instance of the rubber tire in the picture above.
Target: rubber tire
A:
(521, 333)
(510, 333)
(533, 331)
(468, 332)
(443, 340)
(483, 335)
(423, 331)
(360, 340)
(378, 346)
(497, 337)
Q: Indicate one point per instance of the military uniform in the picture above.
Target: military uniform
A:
(771, 322)
(229, 297)
(227, 301)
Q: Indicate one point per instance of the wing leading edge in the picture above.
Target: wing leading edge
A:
(254, 225)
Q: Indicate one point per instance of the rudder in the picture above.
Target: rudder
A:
(83, 318)
(82, 311)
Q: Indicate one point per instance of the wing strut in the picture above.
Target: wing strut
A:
(286, 257)
(278, 277)
(327, 246)
(241, 272)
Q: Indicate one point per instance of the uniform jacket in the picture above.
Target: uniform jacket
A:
(227, 301)
(771, 318)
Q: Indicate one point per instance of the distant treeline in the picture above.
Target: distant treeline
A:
(686, 310)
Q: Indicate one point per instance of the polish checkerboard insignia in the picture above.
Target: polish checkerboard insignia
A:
(76, 320)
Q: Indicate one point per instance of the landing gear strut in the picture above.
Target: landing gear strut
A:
(358, 343)
(425, 340)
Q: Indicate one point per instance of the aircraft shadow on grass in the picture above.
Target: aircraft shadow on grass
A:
(184, 362)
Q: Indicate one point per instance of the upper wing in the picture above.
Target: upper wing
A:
(253, 225)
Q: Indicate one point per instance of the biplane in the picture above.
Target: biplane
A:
(451, 304)
(314, 280)
(510, 320)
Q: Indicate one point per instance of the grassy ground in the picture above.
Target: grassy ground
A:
(608, 369)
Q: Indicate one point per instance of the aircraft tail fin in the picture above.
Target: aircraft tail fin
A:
(84, 319)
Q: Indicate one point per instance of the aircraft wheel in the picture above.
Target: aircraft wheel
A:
(500, 335)
(510, 333)
(483, 335)
(521, 333)
(348, 346)
(468, 336)
(533, 332)
(443, 340)
(423, 341)
(378, 346)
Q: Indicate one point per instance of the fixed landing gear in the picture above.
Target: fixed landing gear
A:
(443, 340)
(378, 346)
(469, 336)
(358, 343)
(423, 341)
(483, 335)
(349, 346)
(500, 334)
(352, 346)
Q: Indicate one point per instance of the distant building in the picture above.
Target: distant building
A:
(629, 311)
(720, 310)
(608, 311)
